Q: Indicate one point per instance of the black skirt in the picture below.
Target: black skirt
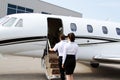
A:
(70, 64)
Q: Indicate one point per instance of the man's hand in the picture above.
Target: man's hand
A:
(62, 66)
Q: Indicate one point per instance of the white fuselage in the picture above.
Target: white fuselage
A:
(30, 39)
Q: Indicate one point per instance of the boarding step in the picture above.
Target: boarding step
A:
(52, 67)
(53, 60)
(55, 71)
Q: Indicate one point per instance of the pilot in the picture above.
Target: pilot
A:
(59, 47)
(69, 58)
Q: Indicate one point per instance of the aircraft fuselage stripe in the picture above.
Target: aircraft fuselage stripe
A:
(22, 40)
(44, 38)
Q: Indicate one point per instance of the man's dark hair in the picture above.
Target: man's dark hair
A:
(62, 36)
(71, 36)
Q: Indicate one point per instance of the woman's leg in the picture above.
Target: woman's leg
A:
(68, 77)
(71, 77)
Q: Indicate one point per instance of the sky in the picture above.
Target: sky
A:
(107, 10)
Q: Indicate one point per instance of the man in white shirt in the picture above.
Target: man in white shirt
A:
(59, 46)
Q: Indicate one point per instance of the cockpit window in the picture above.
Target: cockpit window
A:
(19, 23)
(3, 19)
(10, 22)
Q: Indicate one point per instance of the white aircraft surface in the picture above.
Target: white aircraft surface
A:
(27, 34)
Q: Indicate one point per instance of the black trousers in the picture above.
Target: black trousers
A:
(62, 73)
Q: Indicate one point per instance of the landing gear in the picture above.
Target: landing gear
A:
(94, 64)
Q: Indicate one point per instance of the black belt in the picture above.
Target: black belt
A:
(60, 56)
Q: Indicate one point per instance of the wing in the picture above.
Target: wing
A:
(107, 58)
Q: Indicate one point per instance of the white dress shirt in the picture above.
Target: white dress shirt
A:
(59, 46)
(71, 48)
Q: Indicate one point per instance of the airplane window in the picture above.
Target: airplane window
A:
(10, 22)
(90, 28)
(3, 19)
(118, 31)
(104, 29)
(73, 27)
(19, 23)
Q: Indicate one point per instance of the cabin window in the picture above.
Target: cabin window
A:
(19, 23)
(104, 29)
(73, 27)
(10, 22)
(118, 31)
(89, 28)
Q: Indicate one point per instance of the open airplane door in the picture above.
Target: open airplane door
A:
(51, 66)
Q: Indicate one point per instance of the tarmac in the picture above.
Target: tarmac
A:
(27, 68)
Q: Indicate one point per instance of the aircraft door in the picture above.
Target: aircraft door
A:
(55, 28)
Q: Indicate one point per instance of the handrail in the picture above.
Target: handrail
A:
(49, 44)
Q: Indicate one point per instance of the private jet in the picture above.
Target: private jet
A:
(31, 34)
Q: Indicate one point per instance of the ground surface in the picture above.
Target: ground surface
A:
(24, 68)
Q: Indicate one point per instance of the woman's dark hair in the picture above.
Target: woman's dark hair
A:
(62, 36)
(71, 36)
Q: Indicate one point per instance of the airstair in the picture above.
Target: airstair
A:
(51, 65)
